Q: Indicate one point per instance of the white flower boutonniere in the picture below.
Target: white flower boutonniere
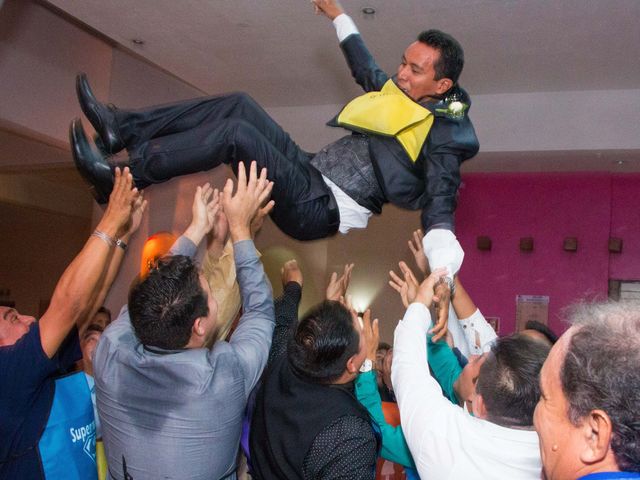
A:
(455, 108)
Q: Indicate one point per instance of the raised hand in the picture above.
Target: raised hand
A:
(137, 212)
(258, 220)
(371, 335)
(406, 286)
(415, 245)
(425, 295)
(243, 206)
(337, 286)
(425, 290)
(329, 8)
(205, 208)
(291, 273)
(442, 295)
(117, 216)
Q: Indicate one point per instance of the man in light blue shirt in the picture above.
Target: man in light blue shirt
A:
(171, 408)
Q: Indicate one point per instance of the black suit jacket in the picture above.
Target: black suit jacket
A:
(431, 182)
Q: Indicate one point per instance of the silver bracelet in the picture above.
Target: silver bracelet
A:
(104, 237)
(120, 243)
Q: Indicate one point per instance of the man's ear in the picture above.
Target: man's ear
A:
(596, 431)
(198, 329)
(444, 84)
(479, 407)
(352, 368)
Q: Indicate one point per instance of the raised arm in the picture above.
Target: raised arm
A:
(81, 284)
(252, 339)
(363, 67)
(422, 407)
(394, 446)
(286, 308)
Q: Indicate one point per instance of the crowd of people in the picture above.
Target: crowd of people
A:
(203, 374)
(300, 398)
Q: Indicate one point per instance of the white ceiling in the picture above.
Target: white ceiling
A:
(284, 55)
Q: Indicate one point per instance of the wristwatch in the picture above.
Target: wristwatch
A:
(367, 366)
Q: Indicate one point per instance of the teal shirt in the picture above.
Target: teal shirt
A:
(446, 371)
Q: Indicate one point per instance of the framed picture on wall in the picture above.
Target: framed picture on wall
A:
(531, 307)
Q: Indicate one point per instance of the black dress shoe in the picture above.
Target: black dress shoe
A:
(93, 167)
(100, 116)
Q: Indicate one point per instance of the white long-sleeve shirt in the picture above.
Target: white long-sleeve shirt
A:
(446, 442)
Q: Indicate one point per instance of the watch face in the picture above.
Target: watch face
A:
(367, 366)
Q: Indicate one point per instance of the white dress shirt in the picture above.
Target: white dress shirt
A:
(446, 442)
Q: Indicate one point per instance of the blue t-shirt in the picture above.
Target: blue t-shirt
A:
(27, 378)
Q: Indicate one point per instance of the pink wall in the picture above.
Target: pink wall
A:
(625, 224)
(547, 207)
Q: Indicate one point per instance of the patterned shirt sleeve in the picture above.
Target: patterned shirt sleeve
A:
(346, 450)
(286, 309)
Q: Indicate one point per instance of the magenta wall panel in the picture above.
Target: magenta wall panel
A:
(548, 207)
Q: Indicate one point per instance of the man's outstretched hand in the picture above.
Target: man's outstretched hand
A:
(204, 211)
(329, 8)
(291, 272)
(242, 206)
(338, 286)
(426, 295)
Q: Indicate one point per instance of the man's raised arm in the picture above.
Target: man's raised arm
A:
(83, 281)
(252, 339)
(363, 67)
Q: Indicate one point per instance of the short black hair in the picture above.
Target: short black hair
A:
(543, 329)
(164, 306)
(601, 370)
(323, 342)
(451, 61)
(106, 311)
(509, 380)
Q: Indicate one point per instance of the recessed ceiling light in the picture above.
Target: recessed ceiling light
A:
(137, 41)
(369, 10)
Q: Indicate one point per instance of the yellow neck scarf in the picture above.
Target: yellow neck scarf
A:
(389, 112)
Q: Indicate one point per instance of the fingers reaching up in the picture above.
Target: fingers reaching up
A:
(242, 206)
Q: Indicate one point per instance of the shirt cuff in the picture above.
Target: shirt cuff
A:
(184, 246)
(244, 250)
(344, 26)
(480, 335)
(442, 249)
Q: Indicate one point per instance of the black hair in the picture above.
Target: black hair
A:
(164, 306)
(451, 60)
(509, 380)
(323, 342)
(106, 311)
(543, 329)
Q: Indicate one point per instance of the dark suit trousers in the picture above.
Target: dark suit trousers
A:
(196, 135)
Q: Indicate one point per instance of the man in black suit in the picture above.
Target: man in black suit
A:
(413, 163)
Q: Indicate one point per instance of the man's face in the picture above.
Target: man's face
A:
(101, 319)
(416, 75)
(13, 326)
(88, 346)
(211, 320)
(559, 438)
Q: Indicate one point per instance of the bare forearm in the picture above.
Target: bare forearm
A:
(75, 294)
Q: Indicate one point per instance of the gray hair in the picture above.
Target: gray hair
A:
(602, 371)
